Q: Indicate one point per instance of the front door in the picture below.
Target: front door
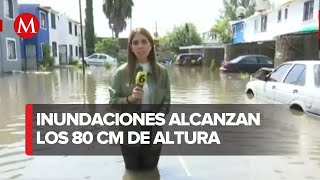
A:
(63, 54)
(31, 56)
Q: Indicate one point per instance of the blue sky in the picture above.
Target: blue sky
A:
(167, 14)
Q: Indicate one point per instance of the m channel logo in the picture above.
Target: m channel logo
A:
(25, 25)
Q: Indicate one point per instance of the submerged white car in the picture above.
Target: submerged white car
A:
(99, 59)
(296, 83)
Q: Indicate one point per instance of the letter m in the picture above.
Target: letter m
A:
(31, 23)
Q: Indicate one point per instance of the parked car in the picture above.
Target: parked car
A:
(296, 83)
(189, 59)
(247, 63)
(100, 59)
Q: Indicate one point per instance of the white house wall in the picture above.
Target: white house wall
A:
(54, 37)
(61, 36)
(293, 23)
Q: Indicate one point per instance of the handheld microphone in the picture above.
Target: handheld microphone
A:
(141, 78)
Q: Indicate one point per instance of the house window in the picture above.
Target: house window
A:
(53, 21)
(42, 49)
(286, 13)
(11, 49)
(256, 25)
(75, 30)
(264, 19)
(8, 8)
(54, 49)
(308, 10)
(70, 27)
(70, 49)
(77, 51)
(279, 15)
(234, 31)
(43, 20)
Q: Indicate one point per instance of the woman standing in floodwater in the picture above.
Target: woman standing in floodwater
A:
(155, 91)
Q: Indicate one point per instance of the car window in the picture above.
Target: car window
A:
(279, 73)
(302, 79)
(250, 60)
(294, 74)
(93, 57)
(236, 59)
(102, 57)
(317, 75)
(264, 60)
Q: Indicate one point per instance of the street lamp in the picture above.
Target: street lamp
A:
(82, 45)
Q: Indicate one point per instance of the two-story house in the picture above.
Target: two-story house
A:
(9, 40)
(64, 37)
(32, 49)
(289, 16)
(57, 30)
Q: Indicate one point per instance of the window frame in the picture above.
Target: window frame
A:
(45, 17)
(286, 73)
(264, 22)
(294, 65)
(54, 53)
(55, 21)
(4, 10)
(309, 10)
(15, 47)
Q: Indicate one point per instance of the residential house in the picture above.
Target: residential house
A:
(289, 16)
(57, 30)
(65, 38)
(9, 41)
(32, 48)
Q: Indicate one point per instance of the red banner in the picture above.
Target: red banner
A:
(0, 25)
(28, 129)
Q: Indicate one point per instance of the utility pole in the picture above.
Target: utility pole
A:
(82, 55)
(82, 45)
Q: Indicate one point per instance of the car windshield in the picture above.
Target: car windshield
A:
(317, 75)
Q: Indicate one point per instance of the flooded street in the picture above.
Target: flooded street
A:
(188, 85)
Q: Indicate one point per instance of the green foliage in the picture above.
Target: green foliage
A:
(223, 29)
(47, 61)
(89, 26)
(107, 46)
(107, 66)
(184, 35)
(244, 76)
(74, 62)
(213, 66)
(117, 12)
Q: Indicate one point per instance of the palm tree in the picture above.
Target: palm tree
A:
(117, 12)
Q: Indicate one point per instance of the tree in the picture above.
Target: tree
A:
(89, 26)
(107, 46)
(117, 12)
(184, 35)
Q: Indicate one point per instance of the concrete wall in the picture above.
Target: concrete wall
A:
(297, 47)
(235, 50)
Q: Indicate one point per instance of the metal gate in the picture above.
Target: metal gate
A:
(63, 54)
(31, 56)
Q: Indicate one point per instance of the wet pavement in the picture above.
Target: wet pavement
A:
(189, 86)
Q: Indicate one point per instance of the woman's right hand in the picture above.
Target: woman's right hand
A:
(136, 96)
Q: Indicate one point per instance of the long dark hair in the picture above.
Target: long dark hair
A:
(132, 59)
